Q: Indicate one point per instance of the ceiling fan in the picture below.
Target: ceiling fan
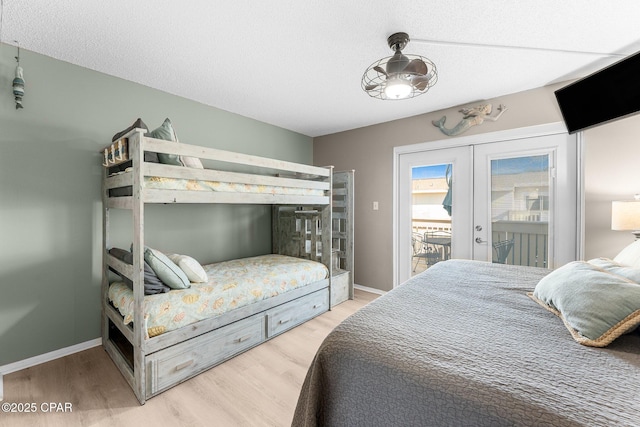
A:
(403, 76)
(399, 76)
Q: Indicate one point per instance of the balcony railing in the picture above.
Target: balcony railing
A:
(530, 239)
(530, 242)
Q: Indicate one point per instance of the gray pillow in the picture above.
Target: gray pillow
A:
(149, 156)
(137, 124)
(152, 283)
(595, 305)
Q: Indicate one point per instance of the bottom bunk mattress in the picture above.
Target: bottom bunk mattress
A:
(231, 284)
(463, 345)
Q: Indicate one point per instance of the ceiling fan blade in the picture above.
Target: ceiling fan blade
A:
(370, 87)
(380, 70)
(416, 66)
(420, 82)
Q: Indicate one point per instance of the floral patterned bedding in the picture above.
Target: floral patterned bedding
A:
(232, 284)
(163, 183)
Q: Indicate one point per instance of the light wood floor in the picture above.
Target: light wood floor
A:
(257, 388)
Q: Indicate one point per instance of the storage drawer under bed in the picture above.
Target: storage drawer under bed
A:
(286, 316)
(177, 363)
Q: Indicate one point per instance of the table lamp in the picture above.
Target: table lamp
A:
(625, 215)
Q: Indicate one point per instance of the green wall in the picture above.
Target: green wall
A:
(50, 207)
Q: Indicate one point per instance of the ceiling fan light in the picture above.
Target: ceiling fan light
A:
(397, 88)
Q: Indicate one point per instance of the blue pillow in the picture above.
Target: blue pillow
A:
(170, 274)
(152, 283)
(596, 306)
(166, 132)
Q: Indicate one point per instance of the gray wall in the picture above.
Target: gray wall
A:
(50, 209)
(610, 173)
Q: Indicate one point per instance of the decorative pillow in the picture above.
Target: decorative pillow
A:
(166, 269)
(137, 124)
(596, 306)
(149, 156)
(192, 162)
(168, 133)
(629, 256)
(191, 267)
(152, 283)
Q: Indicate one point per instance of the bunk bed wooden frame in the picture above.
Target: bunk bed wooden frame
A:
(153, 365)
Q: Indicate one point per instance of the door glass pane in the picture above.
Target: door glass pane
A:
(431, 195)
(520, 210)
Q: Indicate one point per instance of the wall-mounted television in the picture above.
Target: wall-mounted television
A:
(609, 94)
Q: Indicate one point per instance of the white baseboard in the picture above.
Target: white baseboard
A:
(47, 357)
(365, 289)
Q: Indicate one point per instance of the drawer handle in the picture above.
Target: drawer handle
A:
(317, 305)
(282, 322)
(244, 338)
(184, 365)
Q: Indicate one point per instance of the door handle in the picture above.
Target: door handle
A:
(479, 240)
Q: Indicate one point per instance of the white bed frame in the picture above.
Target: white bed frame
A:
(153, 365)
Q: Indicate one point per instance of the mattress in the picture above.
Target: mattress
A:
(232, 284)
(164, 183)
(462, 345)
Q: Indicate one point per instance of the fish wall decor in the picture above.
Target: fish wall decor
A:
(18, 87)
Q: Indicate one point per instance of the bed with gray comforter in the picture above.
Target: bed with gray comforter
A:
(463, 345)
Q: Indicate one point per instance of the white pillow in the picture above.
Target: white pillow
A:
(191, 268)
(629, 256)
(192, 162)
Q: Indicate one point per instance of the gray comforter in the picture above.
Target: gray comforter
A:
(462, 345)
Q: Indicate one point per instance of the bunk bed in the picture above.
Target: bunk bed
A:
(152, 357)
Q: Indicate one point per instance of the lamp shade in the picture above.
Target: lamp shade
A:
(625, 215)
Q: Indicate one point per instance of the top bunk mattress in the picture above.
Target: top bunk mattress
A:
(232, 284)
(164, 183)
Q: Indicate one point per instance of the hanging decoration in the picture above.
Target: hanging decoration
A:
(18, 83)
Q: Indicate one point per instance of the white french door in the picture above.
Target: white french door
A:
(525, 201)
(513, 201)
(459, 160)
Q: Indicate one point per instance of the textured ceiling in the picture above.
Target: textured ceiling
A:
(298, 63)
